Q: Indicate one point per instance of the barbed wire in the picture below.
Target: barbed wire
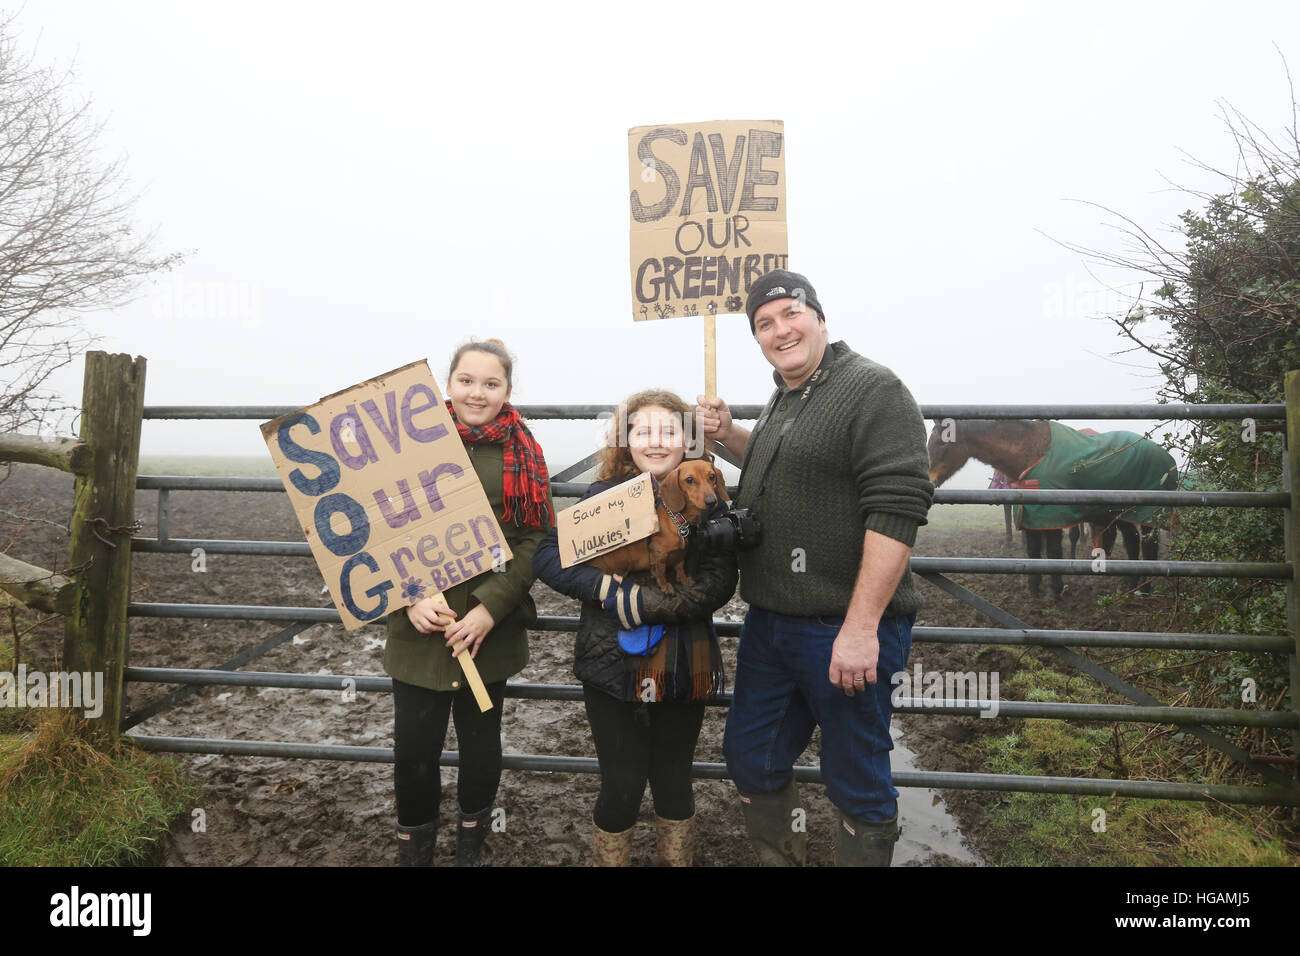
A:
(12, 514)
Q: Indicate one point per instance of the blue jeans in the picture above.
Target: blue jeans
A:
(783, 691)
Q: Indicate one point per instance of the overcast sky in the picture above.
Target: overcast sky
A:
(362, 186)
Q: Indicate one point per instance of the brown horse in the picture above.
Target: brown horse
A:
(1000, 482)
(1013, 447)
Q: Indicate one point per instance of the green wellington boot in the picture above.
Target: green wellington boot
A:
(859, 843)
(770, 819)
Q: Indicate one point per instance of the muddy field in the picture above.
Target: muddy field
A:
(265, 811)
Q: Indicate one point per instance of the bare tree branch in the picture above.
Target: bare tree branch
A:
(68, 243)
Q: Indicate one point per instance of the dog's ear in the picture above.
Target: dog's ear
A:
(720, 484)
(670, 490)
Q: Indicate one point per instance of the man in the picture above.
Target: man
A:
(837, 473)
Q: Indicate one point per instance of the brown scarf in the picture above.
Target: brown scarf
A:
(701, 670)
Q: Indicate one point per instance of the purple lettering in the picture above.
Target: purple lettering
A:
(429, 480)
(491, 526)
(409, 412)
(387, 426)
(398, 562)
(456, 529)
(350, 421)
(427, 544)
(409, 511)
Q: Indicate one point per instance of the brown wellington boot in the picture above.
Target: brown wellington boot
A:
(676, 841)
(769, 818)
(611, 849)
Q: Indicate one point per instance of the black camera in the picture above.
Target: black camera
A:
(736, 530)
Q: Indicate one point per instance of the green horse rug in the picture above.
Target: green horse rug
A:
(1113, 461)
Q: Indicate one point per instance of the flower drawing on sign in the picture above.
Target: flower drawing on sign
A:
(733, 303)
(412, 589)
(712, 307)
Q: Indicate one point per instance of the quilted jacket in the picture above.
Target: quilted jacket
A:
(597, 658)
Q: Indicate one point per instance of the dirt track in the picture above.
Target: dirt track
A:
(266, 811)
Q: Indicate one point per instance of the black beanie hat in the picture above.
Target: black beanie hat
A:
(781, 284)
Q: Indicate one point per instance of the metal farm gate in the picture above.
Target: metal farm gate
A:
(95, 596)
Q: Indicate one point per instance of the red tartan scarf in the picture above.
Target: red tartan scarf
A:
(524, 478)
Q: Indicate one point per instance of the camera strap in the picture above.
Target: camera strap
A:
(786, 425)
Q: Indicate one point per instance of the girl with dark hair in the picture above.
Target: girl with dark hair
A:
(486, 617)
(644, 686)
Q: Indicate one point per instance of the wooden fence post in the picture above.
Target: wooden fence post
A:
(1292, 529)
(112, 403)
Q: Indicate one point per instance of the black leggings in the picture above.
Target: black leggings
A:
(658, 745)
(419, 731)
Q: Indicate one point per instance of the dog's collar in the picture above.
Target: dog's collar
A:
(683, 528)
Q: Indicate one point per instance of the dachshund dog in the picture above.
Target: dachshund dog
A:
(690, 490)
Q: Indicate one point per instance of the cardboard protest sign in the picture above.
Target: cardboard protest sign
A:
(385, 494)
(708, 214)
(623, 514)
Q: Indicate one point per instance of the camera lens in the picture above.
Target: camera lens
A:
(737, 530)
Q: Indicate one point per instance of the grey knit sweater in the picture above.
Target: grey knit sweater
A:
(854, 459)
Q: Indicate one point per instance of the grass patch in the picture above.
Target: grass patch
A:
(1029, 829)
(22, 624)
(1065, 830)
(17, 720)
(70, 803)
(1036, 679)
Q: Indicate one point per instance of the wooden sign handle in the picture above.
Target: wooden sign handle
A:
(475, 682)
(710, 357)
